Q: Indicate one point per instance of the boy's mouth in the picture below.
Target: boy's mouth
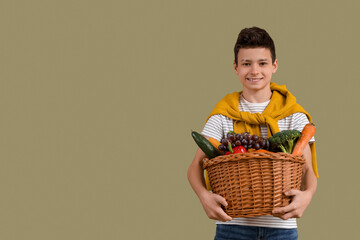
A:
(254, 79)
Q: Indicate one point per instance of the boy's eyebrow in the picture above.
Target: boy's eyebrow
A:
(260, 60)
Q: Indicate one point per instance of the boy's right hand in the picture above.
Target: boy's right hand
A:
(212, 205)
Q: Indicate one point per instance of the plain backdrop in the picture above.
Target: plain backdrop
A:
(98, 98)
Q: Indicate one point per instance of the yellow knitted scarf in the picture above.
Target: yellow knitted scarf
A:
(282, 104)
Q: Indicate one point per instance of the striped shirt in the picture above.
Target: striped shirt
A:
(218, 125)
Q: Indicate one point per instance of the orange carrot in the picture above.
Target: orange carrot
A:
(250, 150)
(307, 133)
(263, 151)
(214, 142)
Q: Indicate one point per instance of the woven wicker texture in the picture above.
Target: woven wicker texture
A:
(253, 184)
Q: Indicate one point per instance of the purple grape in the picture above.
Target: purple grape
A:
(221, 147)
(263, 143)
(255, 137)
(267, 145)
(231, 136)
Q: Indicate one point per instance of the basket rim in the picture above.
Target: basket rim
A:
(276, 156)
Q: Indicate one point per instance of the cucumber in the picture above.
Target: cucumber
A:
(209, 150)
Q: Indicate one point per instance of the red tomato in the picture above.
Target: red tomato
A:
(239, 149)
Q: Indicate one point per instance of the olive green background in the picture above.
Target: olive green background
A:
(97, 100)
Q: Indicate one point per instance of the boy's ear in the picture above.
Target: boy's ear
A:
(275, 66)
(235, 66)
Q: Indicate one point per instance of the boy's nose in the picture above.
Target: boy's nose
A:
(254, 70)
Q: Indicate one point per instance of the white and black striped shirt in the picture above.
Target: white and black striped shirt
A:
(218, 125)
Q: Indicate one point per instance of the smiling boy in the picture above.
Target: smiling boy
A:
(254, 67)
(255, 62)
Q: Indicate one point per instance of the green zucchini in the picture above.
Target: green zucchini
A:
(209, 150)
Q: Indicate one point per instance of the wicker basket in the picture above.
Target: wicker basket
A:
(253, 184)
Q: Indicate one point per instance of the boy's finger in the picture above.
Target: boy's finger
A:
(282, 210)
(286, 216)
(291, 192)
(278, 211)
(224, 217)
(222, 200)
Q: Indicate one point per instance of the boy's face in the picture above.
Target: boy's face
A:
(255, 68)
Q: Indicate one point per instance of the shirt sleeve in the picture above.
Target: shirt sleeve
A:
(213, 127)
(298, 122)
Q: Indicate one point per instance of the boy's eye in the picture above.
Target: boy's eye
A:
(246, 64)
(263, 63)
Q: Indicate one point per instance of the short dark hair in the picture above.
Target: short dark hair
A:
(252, 38)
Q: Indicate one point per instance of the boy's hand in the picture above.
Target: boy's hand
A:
(212, 205)
(299, 202)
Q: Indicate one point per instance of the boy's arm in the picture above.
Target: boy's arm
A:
(211, 202)
(301, 198)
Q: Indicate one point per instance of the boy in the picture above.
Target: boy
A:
(255, 62)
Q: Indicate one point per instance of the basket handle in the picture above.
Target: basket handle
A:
(204, 162)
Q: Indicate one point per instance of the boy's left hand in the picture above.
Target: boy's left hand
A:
(299, 202)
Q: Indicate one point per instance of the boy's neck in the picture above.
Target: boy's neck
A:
(257, 96)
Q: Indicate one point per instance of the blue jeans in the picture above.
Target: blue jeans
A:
(237, 232)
